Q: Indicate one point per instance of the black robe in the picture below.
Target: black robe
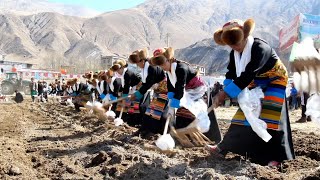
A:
(18, 98)
(263, 59)
(116, 87)
(155, 75)
(240, 138)
(131, 79)
(78, 89)
(184, 74)
(148, 124)
(115, 92)
(105, 88)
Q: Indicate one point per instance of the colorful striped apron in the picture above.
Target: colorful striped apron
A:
(159, 102)
(130, 107)
(273, 83)
(157, 106)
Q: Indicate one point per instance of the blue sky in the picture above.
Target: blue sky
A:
(102, 5)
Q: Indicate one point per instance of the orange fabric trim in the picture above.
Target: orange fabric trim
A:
(273, 126)
(273, 98)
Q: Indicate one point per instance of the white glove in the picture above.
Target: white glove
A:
(172, 111)
(106, 99)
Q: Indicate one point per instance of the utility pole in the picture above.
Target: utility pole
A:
(168, 39)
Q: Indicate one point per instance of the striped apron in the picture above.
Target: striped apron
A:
(159, 102)
(273, 84)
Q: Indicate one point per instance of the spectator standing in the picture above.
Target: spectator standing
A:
(304, 99)
(294, 95)
(33, 89)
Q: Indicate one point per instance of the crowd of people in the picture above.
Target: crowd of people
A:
(40, 90)
(297, 99)
(164, 86)
(168, 86)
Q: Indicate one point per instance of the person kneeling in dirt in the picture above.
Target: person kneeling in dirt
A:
(253, 63)
(18, 98)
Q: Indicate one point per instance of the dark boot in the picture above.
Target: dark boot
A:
(309, 119)
(302, 120)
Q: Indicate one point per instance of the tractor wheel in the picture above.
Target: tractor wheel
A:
(26, 90)
(7, 89)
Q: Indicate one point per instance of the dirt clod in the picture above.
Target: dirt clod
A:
(14, 170)
(100, 158)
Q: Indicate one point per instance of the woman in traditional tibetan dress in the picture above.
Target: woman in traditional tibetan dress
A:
(185, 90)
(253, 63)
(153, 120)
(80, 93)
(114, 85)
(129, 82)
(102, 87)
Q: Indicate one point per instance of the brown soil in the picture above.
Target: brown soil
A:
(50, 141)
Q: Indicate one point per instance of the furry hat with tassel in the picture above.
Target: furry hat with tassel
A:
(95, 75)
(233, 32)
(102, 75)
(161, 55)
(88, 75)
(119, 64)
(138, 56)
(109, 73)
(73, 81)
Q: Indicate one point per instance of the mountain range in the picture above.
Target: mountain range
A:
(56, 37)
(27, 7)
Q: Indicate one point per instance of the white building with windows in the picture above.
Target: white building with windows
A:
(8, 65)
(201, 69)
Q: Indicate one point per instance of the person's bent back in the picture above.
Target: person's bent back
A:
(18, 98)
